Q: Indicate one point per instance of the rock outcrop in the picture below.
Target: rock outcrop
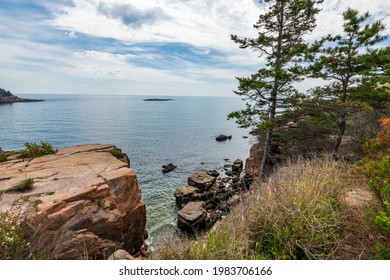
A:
(252, 163)
(210, 196)
(202, 180)
(84, 203)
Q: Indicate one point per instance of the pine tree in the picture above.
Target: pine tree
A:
(280, 41)
(343, 60)
(374, 89)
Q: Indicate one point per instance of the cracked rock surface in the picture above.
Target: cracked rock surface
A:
(84, 203)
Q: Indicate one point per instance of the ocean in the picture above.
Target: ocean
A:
(181, 131)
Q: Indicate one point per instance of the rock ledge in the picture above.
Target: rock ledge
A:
(84, 203)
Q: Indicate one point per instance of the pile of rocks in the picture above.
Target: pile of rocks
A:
(209, 196)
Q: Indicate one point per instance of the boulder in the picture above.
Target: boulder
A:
(201, 180)
(121, 255)
(184, 195)
(213, 173)
(192, 217)
(84, 203)
(237, 166)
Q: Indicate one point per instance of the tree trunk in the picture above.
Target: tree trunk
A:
(266, 152)
(274, 95)
(343, 123)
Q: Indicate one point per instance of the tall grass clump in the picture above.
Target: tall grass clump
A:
(294, 215)
(299, 217)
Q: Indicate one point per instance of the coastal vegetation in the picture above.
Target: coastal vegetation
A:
(13, 239)
(24, 186)
(271, 89)
(376, 167)
(3, 156)
(355, 68)
(5, 93)
(34, 150)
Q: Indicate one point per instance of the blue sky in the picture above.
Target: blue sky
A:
(154, 47)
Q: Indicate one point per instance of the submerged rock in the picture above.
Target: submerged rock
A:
(223, 137)
(168, 168)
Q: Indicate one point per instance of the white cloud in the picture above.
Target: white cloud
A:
(71, 34)
(203, 24)
(330, 21)
(200, 23)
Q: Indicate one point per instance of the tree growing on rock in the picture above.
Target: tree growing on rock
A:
(346, 61)
(271, 90)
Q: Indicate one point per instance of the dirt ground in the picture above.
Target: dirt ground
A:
(358, 234)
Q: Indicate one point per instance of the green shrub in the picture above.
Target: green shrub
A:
(26, 185)
(299, 217)
(117, 153)
(375, 166)
(36, 204)
(34, 150)
(383, 251)
(13, 244)
(3, 156)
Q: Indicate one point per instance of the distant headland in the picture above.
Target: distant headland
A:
(158, 99)
(7, 97)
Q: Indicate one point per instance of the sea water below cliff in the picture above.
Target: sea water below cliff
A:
(152, 133)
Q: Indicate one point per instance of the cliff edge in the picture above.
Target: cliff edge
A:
(81, 203)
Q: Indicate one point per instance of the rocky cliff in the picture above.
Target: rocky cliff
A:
(82, 203)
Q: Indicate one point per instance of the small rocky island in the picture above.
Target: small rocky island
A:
(6, 97)
(158, 99)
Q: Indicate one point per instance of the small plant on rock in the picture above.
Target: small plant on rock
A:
(24, 186)
(34, 150)
(117, 153)
(3, 156)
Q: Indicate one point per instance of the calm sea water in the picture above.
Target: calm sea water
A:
(181, 131)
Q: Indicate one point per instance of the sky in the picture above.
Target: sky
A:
(140, 47)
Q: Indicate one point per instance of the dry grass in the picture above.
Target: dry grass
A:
(294, 215)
